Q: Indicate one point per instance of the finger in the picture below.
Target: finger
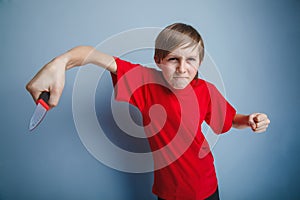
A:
(54, 97)
(252, 125)
(260, 117)
(262, 123)
(33, 92)
(260, 131)
(35, 95)
(261, 128)
(251, 122)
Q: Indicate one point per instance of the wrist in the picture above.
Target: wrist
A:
(64, 61)
(241, 121)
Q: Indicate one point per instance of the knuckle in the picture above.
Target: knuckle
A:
(29, 87)
(57, 88)
(53, 104)
(260, 117)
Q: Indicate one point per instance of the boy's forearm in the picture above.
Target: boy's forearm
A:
(83, 55)
(75, 56)
(240, 121)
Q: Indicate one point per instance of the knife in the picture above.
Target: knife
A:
(40, 110)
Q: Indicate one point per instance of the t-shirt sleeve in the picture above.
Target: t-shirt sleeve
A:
(220, 113)
(129, 82)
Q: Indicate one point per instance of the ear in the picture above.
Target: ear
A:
(157, 62)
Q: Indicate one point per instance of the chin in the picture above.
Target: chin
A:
(179, 86)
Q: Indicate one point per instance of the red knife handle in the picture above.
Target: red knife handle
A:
(43, 100)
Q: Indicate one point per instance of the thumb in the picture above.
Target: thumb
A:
(54, 97)
(251, 121)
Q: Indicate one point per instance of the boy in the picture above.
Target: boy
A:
(183, 162)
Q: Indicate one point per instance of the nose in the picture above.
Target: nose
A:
(181, 67)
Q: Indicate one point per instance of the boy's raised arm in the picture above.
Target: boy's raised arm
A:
(51, 77)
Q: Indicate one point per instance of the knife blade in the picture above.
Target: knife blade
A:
(40, 111)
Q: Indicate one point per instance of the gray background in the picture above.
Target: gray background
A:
(255, 45)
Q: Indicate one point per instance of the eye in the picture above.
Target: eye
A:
(191, 59)
(172, 59)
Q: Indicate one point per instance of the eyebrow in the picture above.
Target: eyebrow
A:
(175, 55)
(171, 54)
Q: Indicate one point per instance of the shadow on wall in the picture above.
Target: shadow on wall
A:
(138, 185)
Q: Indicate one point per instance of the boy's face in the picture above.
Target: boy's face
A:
(180, 66)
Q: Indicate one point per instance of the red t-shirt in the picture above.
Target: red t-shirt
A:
(183, 162)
